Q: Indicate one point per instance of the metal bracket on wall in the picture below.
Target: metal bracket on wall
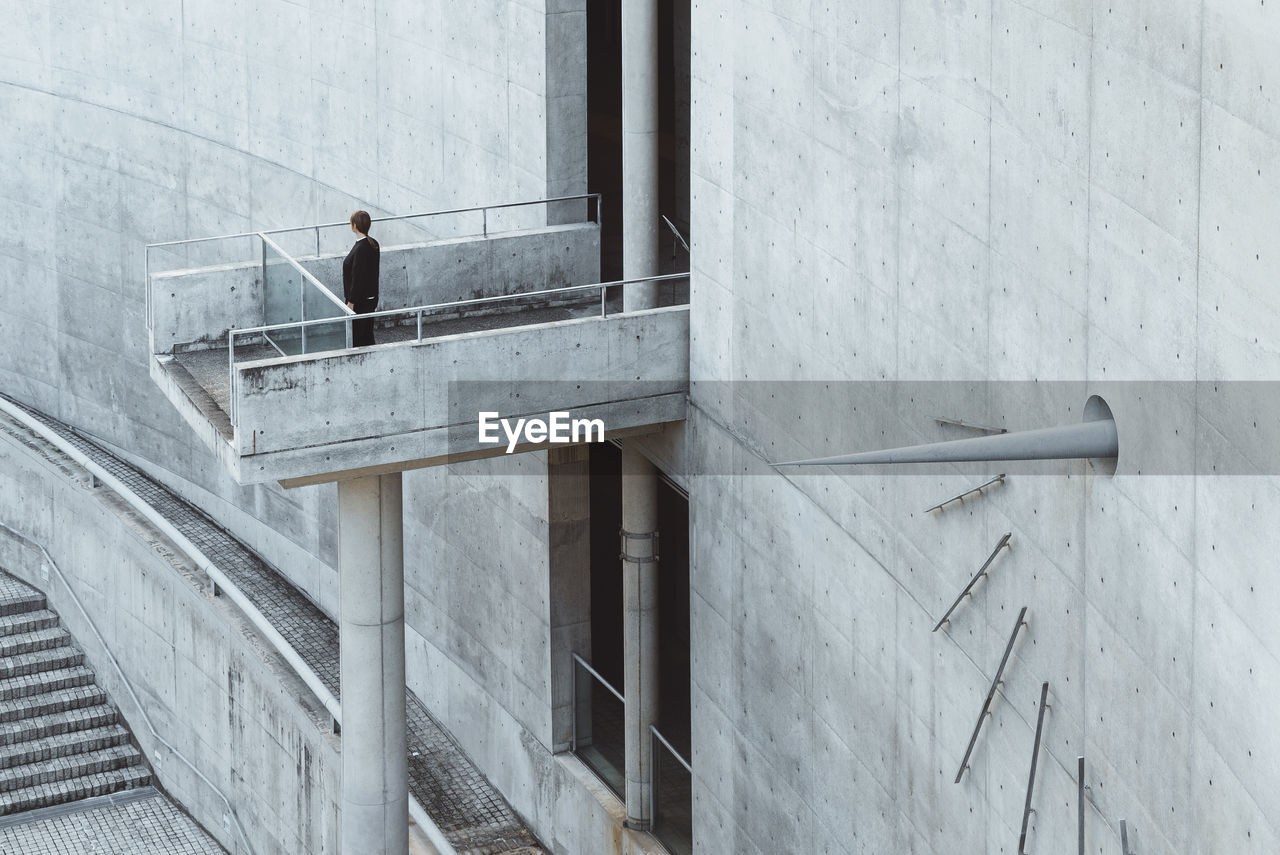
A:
(991, 693)
(1124, 840)
(626, 536)
(941, 506)
(1031, 778)
(961, 423)
(982, 571)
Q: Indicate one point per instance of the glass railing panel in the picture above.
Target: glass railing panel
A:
(282, 287)
(317, 303)
(599, 729)
(672, 797)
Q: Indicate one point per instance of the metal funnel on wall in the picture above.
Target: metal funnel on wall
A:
(1096, 437)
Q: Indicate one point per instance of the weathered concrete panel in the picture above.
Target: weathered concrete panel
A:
(307, 415)
(245, 720)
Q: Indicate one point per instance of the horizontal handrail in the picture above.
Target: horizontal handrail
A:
(128, 684)
(991, 693)
(683, 762)
(982, 571)
(943, 420)
(594, 673)
(306, 274)
(412, 310)
(229, 588)
(292, 229)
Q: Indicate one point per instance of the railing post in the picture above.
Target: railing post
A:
(317, 241)
(419, 325)
(231, 377)
(484, 215)
(302, 309)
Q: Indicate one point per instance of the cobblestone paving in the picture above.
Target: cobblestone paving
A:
(469, 811)
(132, 825)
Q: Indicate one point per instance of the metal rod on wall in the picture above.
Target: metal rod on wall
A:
(1031, 779)
(982, 571)
(1080, 803)
(1124, 839)
(941, 506)
(991, 693)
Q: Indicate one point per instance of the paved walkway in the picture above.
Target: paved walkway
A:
(469, 811)
(139, 822)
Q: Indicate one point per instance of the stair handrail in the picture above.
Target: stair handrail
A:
(282, 647)
(216, 576)
(128, 684)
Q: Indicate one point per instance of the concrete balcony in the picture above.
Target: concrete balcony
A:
(513, 321)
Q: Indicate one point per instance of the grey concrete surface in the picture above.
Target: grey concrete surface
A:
(130, 123)
(641, 572)
(375, 772)
(143, 822)
(894, 190)
(307, 416)
(463, 804)
(198, 306)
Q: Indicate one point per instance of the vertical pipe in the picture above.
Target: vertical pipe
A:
(375, 792)
(640, 625)
(639, 150)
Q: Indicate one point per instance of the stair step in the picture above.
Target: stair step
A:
(24, 602)
(27, 622)
(45, 681)
(62, 700)
(65, 768)
(53, 722)
(62, 745)
(40, 660)
(74, 789)
(29, 642)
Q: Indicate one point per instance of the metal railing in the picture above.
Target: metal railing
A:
(959, 497)
(483, 211)
(671, 789)
(982, 571)
(1031, 777)
(223, 585)
(599, 726)
(991, 693)
(232, 818)
(269, 333)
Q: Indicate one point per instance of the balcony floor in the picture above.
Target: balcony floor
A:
(204, 375)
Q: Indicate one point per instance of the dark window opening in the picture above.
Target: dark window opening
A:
(604, 126)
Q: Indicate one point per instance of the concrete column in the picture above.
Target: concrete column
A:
(640, 625)
(639, 150)
(375, 790)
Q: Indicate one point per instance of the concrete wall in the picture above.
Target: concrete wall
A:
(134, 122)
(428, 395)
(979, 191)
(212, 692)
(199, 306)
